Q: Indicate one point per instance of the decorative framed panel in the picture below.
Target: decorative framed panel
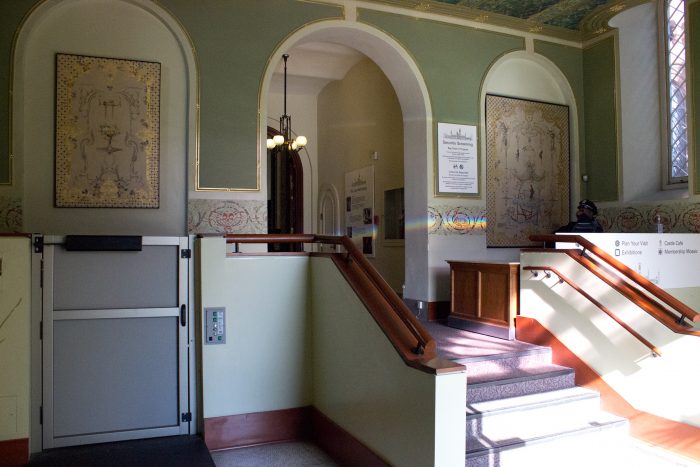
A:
(107, 132)
(527, 169)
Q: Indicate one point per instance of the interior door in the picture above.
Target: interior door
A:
(115, 339)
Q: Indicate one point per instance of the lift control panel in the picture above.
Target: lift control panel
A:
(215, 325)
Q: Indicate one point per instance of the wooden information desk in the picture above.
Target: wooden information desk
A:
(484, 297)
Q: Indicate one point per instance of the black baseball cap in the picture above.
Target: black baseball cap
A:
(587, 203)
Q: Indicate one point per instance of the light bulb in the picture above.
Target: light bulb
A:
(294, 145)
(270, 143)
(301, 141)
(278, 139)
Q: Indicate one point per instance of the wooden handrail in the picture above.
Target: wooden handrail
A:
(602, 307)
(649, 287)
(424, 352)
(634, 294)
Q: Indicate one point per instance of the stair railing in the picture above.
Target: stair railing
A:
(424, 352)
(655, 301)
(563, 278)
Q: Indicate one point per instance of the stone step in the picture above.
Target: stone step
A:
(512, 414)
(499, 363)
(513, 382)
(546, 441)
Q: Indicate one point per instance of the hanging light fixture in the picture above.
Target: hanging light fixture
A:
(285, 138)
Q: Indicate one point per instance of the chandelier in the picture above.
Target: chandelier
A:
(285, 138)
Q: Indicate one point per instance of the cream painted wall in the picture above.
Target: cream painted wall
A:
(639, 102)
(132, 32)
(358, 116)
(265, 363)
(648, 384)
(362, 384)
(15, 277)
(314, 343)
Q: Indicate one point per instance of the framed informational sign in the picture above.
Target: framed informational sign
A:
(359, 208)
(458, 164)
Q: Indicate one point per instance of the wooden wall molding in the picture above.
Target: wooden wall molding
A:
(14, 452)
(341, 445)
(234, 431)
(297, 424)
(677, 437)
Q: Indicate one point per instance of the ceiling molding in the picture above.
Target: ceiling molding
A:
(596, 23)
(593, 25)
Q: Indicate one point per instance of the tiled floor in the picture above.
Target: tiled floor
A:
(296, 454)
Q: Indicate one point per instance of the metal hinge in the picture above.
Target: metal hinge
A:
(41, 274)
(187, 417)
(38, 244)
(186, 253)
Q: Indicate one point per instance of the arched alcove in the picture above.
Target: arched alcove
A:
(136, 30)
(527, 75)
(412, 94)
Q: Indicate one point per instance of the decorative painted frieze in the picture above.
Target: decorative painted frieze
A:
(456, 220)
(226, 216)
(677, 217)
(10, 214)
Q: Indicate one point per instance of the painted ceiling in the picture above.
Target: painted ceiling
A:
(560, 13)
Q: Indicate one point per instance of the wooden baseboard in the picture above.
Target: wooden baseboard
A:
(303, 423)
(341, 445)
(256, 428)
(677, 437)
(14, 452)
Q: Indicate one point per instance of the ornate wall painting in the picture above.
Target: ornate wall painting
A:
(107, 132)
(527, 169)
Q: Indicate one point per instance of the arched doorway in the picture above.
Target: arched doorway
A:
(411, 91)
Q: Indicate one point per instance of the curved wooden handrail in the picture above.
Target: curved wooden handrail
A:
(645, 284)
(422, 355)
(602, 307)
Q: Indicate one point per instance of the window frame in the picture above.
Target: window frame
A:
(668, 182)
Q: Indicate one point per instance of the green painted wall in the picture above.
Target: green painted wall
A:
(693, 50)
(234, 41)
(11, 15)
(570, 61)
(452, 59)
(599, 85)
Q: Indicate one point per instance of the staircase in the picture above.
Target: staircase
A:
(522, 410)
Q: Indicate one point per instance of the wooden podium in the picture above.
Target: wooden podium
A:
(484, 297)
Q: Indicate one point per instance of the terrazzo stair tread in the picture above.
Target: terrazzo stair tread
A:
(535, 351)
(528, 402)
(509, 375)
(534, 423)
(520, 384)
(499, 366)
(603, 447)
(546, 429)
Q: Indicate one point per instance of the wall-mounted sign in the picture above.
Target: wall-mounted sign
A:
(668, 260)
(458, 165)
(359, 208)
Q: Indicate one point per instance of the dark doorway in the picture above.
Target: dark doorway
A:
(285, 195)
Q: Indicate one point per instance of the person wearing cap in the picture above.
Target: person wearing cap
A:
(585, 219)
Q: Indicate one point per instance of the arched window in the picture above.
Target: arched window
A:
(676, 166)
